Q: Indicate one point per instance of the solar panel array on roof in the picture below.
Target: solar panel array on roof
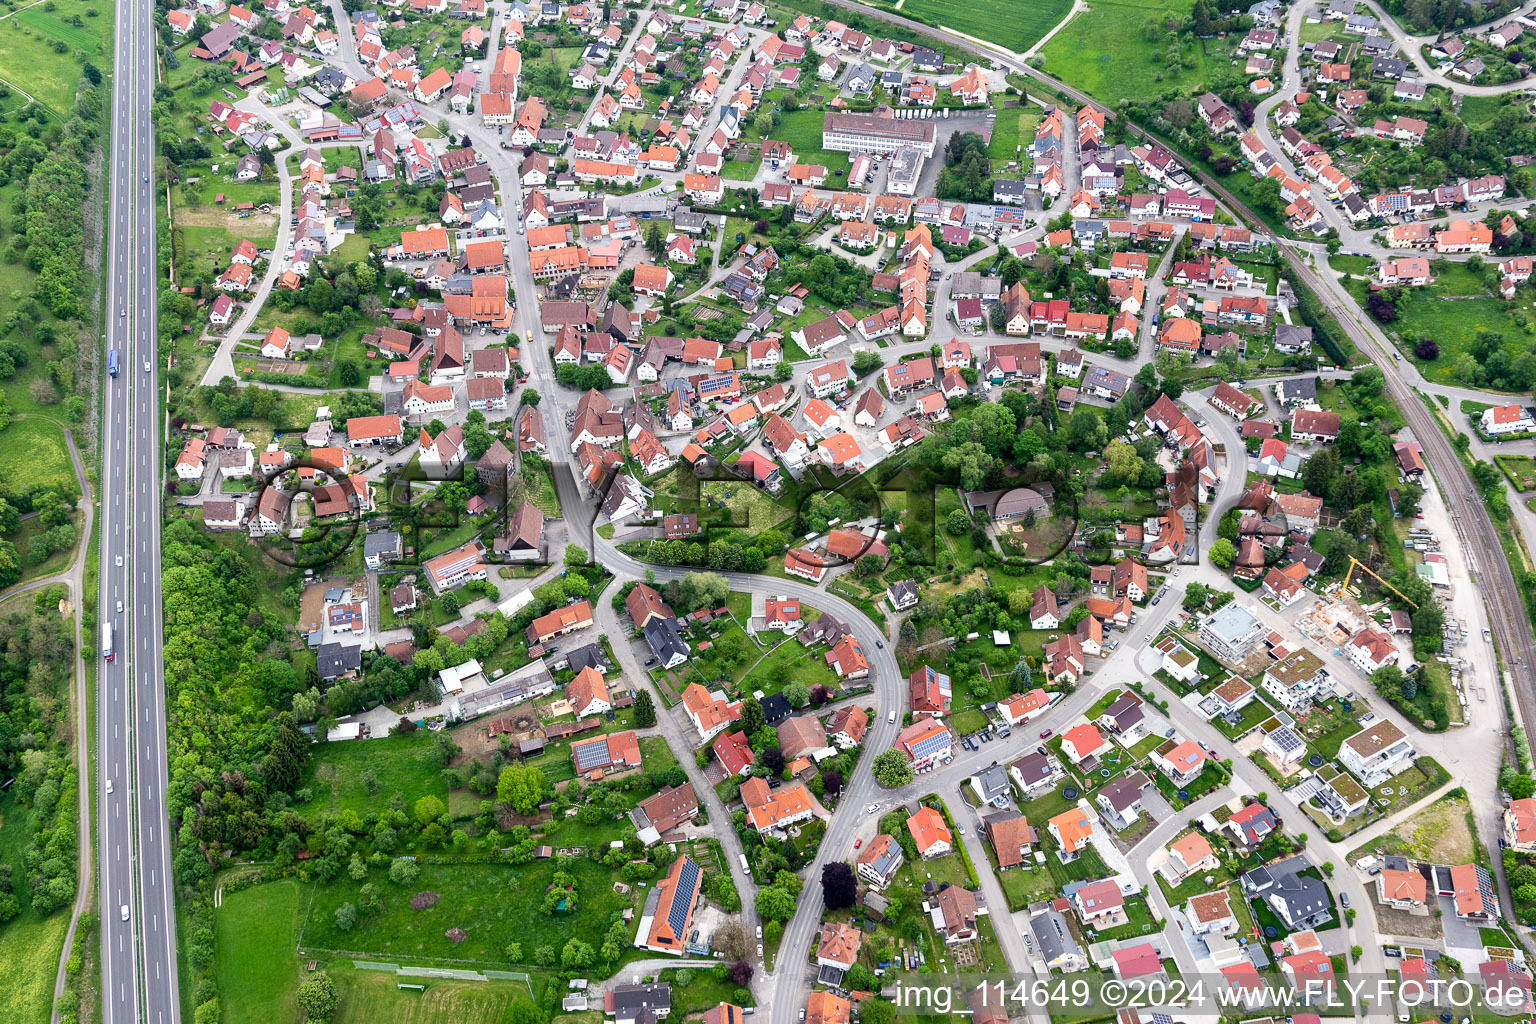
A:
(592, 755)
(682, 896)
(931, 744)
(1485, 888)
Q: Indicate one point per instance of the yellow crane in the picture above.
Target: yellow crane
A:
(1355, 563)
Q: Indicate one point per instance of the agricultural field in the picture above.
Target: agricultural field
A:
(1105, 52)
(1016, 26)
(38, 49)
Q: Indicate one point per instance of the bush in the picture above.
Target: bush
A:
(1427, 350)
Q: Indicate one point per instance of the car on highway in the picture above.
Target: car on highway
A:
(125, 912)
(109, 787)
(119, 606)
(1046, 734)
(880, 645)
(119, 560)
(148, 368)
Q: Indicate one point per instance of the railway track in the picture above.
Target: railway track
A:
(1489, 568)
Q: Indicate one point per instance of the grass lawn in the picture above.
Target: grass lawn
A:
(255, 931)
(701, 990)
(786, 663)
(404, 764)
(1025, 887)
(29, 949)
(27, 56)
(802, 130)
(1347, 264)
(1520, 469)
(33, 450)
(968, 721)
(1453, 325)
(1140, 921)
(494, 904)
(1013, 127)
(1088, 865)
(1016, 26)
(1104, 52)
(368, 996)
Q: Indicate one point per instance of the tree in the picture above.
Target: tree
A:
(525, 1012)
(346, 917)
(529, 397)
(576, 953)
(775, 903)
(892, 769)
(521, 786)
(317, 998)
(997, 318)
(839, 887)
(645, 710)
(1388, 681)
(428, 809)
(752, 717)
(798, 694)
(1123, 463)
(403, 870)
(1222, 553)
(957, 523)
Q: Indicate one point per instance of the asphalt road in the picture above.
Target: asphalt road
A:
(139, 953)
(1479, 536)
(788, 981)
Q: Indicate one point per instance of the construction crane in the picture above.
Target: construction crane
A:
(1355, 563)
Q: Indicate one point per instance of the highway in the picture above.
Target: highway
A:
(138, 954)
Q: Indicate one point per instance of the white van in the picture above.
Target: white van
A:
(891, 717)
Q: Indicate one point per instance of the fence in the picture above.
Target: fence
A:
(443, 973)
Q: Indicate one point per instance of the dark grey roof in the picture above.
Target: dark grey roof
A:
(333, 661)
(1052, 939)
(1033, 767)
(665, 640)
(992, 781)
(775, 707)
(378, 544)
(1293, 334)
(632, 1000)
(586, 656)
